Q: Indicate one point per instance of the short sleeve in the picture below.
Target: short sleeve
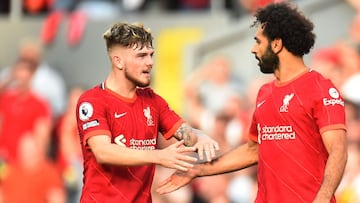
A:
(253, 131)
(91, 117)
(329, 107)
(169, 121)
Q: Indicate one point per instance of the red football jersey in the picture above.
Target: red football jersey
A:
(287, 124)
(19, 114)
(133, 123)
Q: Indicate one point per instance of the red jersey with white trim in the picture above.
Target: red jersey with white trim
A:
(287, 124)
(133, 123)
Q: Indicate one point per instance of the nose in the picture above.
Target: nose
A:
(150, 61)
(254, 49)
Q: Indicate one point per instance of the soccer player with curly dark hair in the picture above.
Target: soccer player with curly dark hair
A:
(297, 135)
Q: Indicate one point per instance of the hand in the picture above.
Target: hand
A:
(206, 145)
(175, 181)
(174, 156)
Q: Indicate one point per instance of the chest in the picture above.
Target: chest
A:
(133, 124)
(17, 109)
(284, 106)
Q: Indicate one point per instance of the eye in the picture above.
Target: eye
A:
(257, 41)
(141, 55)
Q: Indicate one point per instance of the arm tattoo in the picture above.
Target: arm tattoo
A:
(185, 133)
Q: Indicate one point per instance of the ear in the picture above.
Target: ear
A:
(117, 62)
(276, 45)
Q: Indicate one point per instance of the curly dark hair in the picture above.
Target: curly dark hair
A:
(128, 35)
(284, 21)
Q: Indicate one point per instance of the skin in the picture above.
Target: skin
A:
(131, 68)
(246, 155)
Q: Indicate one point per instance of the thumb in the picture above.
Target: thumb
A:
(178, 144)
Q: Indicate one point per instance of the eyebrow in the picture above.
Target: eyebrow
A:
(143, 53)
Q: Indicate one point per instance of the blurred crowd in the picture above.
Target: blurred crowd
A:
(40, 157)
(35, 7)
(76, 13)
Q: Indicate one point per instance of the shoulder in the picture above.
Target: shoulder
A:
(92, 93)
(317, 82)
(36, 99)
(149, 95)
(315, 77)
(8, 93)
(91, 97)
(266, 86)
(316, 87)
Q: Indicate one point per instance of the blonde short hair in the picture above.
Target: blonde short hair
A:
(128, 35)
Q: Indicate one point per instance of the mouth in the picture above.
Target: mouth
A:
(146, 72)
(258, 59)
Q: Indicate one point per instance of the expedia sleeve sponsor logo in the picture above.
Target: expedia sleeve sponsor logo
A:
(333, 102)
(270, 133)
(335, 98)
(90, 124)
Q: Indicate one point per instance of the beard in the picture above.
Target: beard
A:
(269, 62)
(137, 82)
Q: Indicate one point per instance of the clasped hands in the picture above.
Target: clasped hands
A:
(179, 157)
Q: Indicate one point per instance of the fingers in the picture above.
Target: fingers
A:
(183, 157)
(209, 150)
(200, 151)
(188, 158)
(182, 148)
(176, 157)
(183, 168)
(184, 162)
(209, 153)
(178, 144)
(166, 187)
(214, 147)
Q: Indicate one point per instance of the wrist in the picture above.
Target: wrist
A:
(195, 171)
(323, 197)
(154, 157)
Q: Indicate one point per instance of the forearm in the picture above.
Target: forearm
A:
(118, 155)
(239, 158)
(333, 173)
(188, 134)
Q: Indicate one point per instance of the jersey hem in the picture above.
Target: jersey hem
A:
(253, 138)
(333, 127)
(95, 133)
(170, 133)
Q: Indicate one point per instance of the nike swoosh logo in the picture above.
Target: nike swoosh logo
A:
(119, 115)
(261, 103)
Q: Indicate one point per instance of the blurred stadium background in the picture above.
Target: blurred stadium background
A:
(183, 40)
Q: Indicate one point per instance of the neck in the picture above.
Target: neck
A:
(117, 83)
(23, 89)
(290, 68)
